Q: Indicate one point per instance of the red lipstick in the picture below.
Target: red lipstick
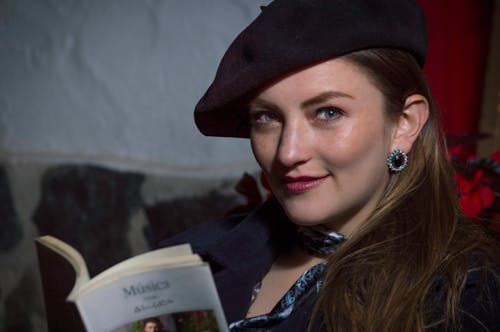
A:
(300, 184)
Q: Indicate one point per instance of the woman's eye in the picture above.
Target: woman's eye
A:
(328, 113)
(262, 117)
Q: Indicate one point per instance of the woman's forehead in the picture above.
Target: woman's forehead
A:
(334, 78)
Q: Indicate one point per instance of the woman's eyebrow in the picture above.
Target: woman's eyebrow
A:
(261, 103)
(321, 98)
(324, 96)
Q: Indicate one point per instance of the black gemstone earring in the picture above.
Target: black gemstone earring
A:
(397, 161)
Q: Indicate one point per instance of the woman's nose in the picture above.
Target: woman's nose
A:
(294, 146)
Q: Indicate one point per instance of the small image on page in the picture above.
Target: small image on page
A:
(200, 320)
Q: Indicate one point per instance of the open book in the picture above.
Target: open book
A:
(171, 285)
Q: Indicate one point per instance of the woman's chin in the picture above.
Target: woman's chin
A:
(306, 216)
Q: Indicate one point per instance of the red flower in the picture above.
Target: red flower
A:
(461, 153)
(475, 195)
(249, 188)
(495, 156)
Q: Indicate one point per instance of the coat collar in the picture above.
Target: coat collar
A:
(260, 235)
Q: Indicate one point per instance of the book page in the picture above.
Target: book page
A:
(71, 255)
(175, 255)
(156, 293)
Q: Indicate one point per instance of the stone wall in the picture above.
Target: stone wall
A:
(97, 140)
(108, 215)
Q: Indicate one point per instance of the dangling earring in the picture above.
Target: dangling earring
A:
(397, 161)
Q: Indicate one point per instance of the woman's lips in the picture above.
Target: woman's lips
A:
(301, 184)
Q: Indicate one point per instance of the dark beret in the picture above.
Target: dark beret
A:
(289, 34)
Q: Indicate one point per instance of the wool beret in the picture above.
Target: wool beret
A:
(289, 34)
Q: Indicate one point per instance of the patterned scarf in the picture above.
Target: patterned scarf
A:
(315, 241)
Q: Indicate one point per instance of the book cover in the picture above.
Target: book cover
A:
(171, 285)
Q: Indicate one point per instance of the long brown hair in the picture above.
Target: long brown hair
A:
(405, 268)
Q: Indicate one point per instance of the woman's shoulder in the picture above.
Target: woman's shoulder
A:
(259, 225)
(205, 233)
(480, 297)
(469, 273)
(475, 286)
(480, 300)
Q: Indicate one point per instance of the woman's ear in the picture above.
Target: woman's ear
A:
(410, 122)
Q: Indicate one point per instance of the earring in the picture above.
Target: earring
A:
(397, 161)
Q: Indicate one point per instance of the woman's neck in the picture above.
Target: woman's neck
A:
(287, 268)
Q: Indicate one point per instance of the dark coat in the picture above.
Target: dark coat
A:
(241, 249)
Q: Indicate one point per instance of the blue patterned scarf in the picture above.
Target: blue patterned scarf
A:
(315, 241)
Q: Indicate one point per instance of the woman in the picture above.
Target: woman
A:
(364, 231)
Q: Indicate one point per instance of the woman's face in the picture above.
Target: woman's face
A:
(322, 138)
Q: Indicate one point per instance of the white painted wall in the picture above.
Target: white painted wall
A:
(115, 81)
